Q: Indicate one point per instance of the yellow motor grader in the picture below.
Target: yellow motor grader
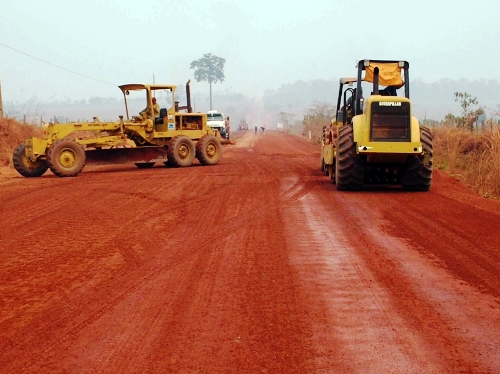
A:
(170, 134)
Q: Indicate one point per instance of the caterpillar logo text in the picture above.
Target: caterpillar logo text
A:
(389, 103)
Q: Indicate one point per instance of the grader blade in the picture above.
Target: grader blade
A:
(125, 155)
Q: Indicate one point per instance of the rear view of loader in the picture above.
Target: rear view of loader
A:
(383, 142)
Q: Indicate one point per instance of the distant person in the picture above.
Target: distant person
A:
(228, 127)
(256, 128)
(263, 127)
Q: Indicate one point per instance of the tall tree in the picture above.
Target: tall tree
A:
(209, 68)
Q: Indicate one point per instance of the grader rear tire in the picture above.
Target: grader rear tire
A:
(417, 176)
(349, 166)
(66, 158)
(208, 150)
(25, 166)
(181, 151)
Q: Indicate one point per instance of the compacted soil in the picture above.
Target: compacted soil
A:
(255, 265)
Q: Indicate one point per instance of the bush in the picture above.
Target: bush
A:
(472, 157)
(12, 133)
(318, 115)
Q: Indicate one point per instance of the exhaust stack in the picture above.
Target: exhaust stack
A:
(188, 97)
(375, 81)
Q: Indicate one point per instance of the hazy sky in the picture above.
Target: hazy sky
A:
(265, 43)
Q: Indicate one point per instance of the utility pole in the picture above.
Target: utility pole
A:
(154, 93)
(1, 102)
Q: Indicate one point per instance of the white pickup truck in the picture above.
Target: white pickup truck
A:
(216, 121)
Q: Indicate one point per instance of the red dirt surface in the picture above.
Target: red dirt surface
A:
(255, 265)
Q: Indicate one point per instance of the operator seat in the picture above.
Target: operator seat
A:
(163, 114)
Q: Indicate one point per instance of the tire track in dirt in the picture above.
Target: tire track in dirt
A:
(360, 320)
(431, 301)
(231, 339)
(467, 246)
(121, 238)
(98, 311)
(180, 310)
(256, 264)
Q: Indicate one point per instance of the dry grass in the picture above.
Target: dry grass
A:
(12, 133)
(472, 157)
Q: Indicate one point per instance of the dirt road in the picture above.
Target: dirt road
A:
(255, 265)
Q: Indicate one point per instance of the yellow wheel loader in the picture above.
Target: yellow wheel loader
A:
(159, 133)
(382, 142)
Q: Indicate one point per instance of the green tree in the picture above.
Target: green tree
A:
(471, 110)
(209, 68)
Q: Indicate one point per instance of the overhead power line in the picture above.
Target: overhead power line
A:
(59, 67)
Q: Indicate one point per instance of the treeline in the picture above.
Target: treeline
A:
(431, 101)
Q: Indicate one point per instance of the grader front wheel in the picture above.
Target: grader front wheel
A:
(66, 158)
(25, 166)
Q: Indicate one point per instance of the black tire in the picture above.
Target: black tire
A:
(144, 165)
(25, 166)
(349, 166)
(66, 158)
(208, 150)
(181, 151)
(417, 176)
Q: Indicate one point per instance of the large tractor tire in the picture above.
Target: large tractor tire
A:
(417, 175)
(349, 166)
(66, 158)
(208, 150)
(181, 151)
(25, 166)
